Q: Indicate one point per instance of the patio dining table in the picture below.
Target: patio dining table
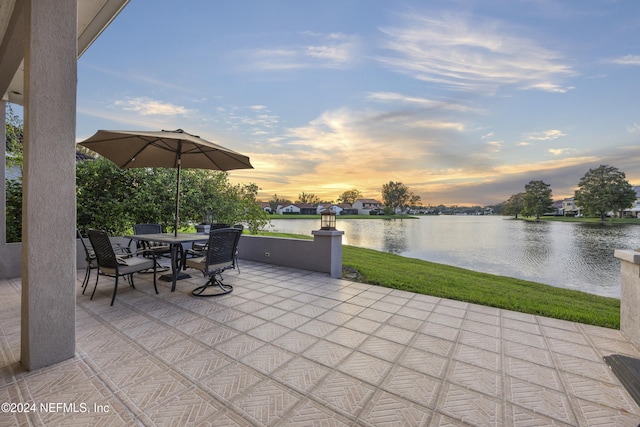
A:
(175, 242)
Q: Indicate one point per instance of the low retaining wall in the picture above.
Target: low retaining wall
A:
(323, 253)
(11, 260)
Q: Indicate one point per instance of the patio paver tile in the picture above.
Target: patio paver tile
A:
(294, 348)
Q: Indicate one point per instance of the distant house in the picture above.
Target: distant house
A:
(569, 207)
(338, 209)
(347, 209)
(557, 208)
(306, 209)
(296, 209)
(287, 209)
(266, 206)
(365, 206)
(634, 211)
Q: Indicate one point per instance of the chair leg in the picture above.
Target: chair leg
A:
(87, 277)
(235, 262)
(213, 281)
(154, 279)
(130, 276)
(115, 290)
(95, 286)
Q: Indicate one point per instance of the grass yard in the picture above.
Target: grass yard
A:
(410, 274)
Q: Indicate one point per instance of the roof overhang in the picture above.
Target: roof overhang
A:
(93, 17)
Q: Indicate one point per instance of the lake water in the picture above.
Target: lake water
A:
(569, 255)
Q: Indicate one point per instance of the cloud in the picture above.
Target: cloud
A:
(438, 124)
(151, 107)
(626, 60)
(472, 55)
(560, 151)
(359, 149)
(254, 120)
(392, 97)
(546, 135)
(495, 146)
(633, 128)
(335, 51)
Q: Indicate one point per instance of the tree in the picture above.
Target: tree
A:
(14, 211)
(113, 199)
(515, 205)
(308, 198)
(396, 195)
(15, 130)
(537, 198)
(350, 196)
(604, 189)
(13, 160)
(414, 200)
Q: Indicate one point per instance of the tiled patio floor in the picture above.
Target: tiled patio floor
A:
(297, 348)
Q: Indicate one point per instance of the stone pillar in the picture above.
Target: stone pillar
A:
(630, 294)
(329, 243)
(49, 202)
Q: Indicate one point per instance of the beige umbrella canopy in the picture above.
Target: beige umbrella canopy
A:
(164, 149)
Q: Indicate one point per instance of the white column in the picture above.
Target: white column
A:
(49, 207)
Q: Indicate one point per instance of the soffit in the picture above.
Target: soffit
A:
(93, 17)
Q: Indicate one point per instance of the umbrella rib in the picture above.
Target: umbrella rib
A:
(160, 143)
(132, 158)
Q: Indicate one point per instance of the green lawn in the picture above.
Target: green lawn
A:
(635, 221)
(394, 271)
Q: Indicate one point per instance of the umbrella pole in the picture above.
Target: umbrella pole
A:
(177, 221)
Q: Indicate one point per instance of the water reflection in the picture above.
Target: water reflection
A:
(571, 255)
(536, 248)
(394, 236)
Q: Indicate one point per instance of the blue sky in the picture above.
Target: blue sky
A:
(464, 102)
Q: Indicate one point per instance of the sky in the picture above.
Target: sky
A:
(462, 101)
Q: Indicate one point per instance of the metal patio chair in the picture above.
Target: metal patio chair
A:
(110, 264)
(90, 258)
(219, 257)
(159, 249)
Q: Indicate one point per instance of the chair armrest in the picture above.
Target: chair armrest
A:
(145, 252)
(122, 249)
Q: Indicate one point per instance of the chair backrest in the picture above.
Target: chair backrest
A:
(222, 246)
(147, 229)
(218, 225)
(87, 254)
(102, 247)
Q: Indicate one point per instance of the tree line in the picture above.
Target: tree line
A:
(600, 191)
(395, 196)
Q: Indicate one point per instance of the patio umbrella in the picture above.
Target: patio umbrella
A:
(164, 149)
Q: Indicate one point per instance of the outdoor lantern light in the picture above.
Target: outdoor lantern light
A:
(327, 220)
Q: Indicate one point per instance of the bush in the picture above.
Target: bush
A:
(14, 210)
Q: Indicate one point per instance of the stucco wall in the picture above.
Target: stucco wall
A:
(323, 254)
